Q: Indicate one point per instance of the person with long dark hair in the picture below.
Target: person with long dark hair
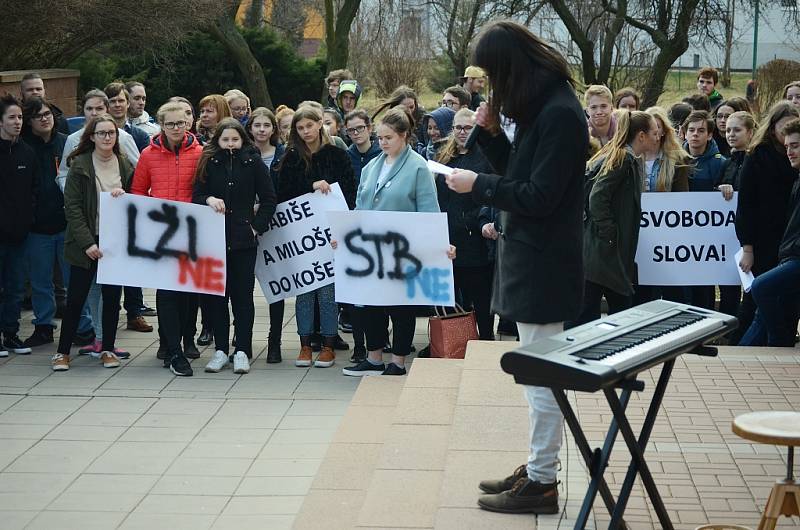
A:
(762, 212)
(472, 271)
(230, 178)
(539, 188)
(95, 166)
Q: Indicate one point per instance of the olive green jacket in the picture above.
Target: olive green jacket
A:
(611, 230)
(81, 204)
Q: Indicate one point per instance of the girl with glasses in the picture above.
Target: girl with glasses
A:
(95, 166)
(472, 271)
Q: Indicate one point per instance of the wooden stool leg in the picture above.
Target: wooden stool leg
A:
(784, 499)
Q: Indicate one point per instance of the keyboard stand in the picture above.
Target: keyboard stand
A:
(597, 460)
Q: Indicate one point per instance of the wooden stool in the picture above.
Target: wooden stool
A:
(776, 428)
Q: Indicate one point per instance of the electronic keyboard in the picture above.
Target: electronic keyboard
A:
(602, 353)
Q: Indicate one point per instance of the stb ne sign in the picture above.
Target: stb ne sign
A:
(175, 246)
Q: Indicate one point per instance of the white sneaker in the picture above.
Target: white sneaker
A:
(3, 353)
(217, 362)
(241, 364)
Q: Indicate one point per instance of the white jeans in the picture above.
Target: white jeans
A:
(546, 419)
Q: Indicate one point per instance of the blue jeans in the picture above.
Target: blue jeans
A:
(12, 283)
(41, 251)
(775, 293)
(328, 312)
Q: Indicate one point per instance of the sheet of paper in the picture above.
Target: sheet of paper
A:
(746, 277)
(441, 169)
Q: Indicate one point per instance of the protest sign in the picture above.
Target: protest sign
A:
(147, 242)
(392, 258)
(294, 254)
(687, 239)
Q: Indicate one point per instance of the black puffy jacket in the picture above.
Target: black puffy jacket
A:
(329, 163)
(48, 217)
(237, 177)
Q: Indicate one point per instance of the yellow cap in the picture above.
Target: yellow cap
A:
(474, 71)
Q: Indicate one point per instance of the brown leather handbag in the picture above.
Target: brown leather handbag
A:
(449, 333)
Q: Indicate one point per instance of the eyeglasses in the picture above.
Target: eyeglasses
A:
(175, 125)
(448, 102)
(46, 115)
(356, 130)
(105, 134)
(463, 128)
(238, 109)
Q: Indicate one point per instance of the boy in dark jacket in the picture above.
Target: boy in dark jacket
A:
(44, 246)
(18, 175)
(707, 166)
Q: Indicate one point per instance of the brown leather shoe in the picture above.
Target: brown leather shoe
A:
(526, 496)
(326, 358)
(305, 357)
(139, 324)
(505, 484)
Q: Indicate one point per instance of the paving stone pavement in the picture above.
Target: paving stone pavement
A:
(136, 447)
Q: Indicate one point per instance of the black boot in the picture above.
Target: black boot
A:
(41, 335)
(274, 349)
(205, 338)
(525, 496)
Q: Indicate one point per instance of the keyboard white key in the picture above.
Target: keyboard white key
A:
(661, 344)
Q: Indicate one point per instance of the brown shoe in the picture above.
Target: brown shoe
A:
(326, 358)
(60, 362)
(109, 359)
(505, 484)
(526, 496)
(139, 324)
(305, 357)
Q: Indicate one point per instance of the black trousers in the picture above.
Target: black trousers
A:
(239, 284)
(173, 310)
(80, 280)
(474, 284)
(593, 294)
(276, 312)
(189, 327)
(404, 323)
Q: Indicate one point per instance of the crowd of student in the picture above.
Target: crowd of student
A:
(705, 143)
(242, 161)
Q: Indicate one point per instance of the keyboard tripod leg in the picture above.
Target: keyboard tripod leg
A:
(598, 483)
(637, 453)
(644, 438)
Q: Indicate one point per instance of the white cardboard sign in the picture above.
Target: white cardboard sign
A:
(294, 254)
(159, 244)
(687, 238)
(392, 258)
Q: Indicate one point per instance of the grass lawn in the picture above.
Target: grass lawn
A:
(678, 85)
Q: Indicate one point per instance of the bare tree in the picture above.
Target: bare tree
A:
(67, 28)
(224, 29)
(338, 21)
(460, 20)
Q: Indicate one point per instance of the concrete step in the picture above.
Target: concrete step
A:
(383, 468)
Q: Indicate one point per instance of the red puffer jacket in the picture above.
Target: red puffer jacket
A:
(163, 174)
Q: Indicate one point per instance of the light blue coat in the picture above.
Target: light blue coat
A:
(409, 187)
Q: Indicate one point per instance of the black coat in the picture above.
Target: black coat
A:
(48, 217)
(763, 208)
(790, 245)
(463, 212)
(539, 187)
(237, 177)
(18, 182)
(732, 170)
(329, 163)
